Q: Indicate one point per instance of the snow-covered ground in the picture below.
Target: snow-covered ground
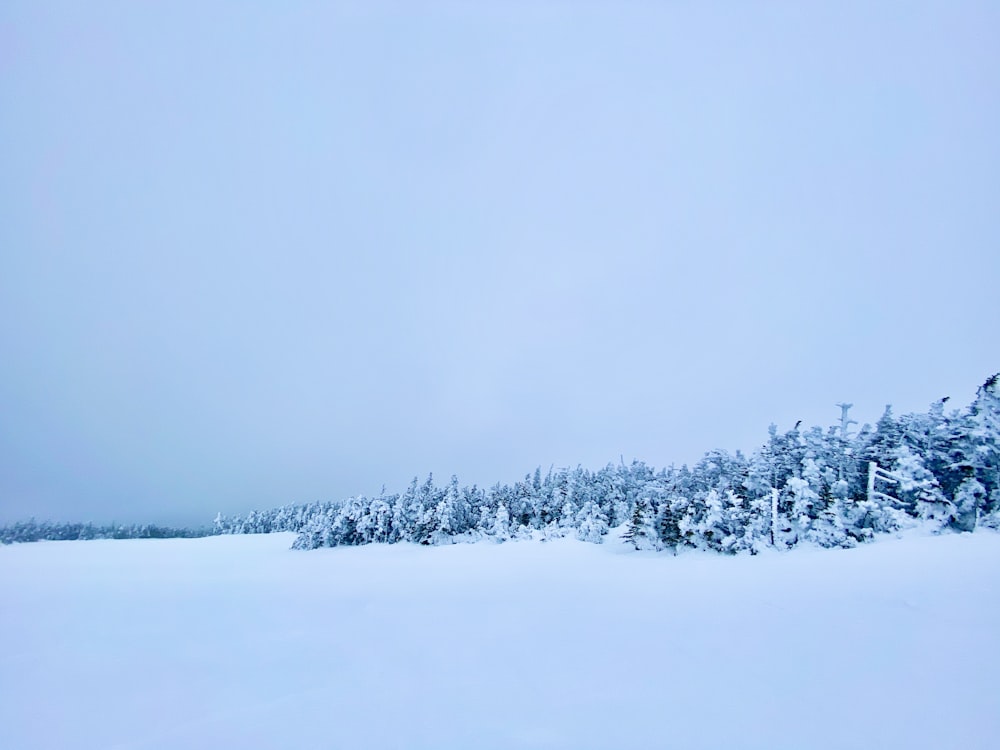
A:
(237, 642)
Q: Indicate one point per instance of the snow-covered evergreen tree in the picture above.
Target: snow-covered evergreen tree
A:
(919, 490)
(970, 503)
(592, 523)
(641, 531)
(501, 524)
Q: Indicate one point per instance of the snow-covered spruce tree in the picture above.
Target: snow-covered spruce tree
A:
(984, 419)
(737, 512)
(759, 484)
(804, 497)
(592, 523)
(934, 438)
(830, 526)
(757, 533)
(970, 503)
(521, 504)
(547, 499)
(641, 531)
(611, 495)
(711, 525)
(450, 516)
(721, 525)
(567, 517)
(919, 491)
(312, 536)
(373, 520)
(668, 522)
(501, 524)
(823, 522)
(888, 436)
(341, 526)
(406, 512)
(558, 492)
(869, 516)
(827, 464)
(484, 522)
(412, 514)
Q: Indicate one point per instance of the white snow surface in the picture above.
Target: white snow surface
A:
(238, 642)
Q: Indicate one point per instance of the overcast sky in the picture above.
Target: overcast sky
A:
(258, 253)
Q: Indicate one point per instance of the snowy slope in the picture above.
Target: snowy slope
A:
(237, 642)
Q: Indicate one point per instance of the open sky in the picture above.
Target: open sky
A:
(258, 253)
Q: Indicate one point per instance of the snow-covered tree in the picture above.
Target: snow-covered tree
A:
(641, 531)
(918, 489)
(970, 502)
(501, 524)
(592, 523)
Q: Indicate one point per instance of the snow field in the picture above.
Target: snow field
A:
(235, 641)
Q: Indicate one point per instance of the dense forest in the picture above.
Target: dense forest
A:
(832, 487)
(48, 531)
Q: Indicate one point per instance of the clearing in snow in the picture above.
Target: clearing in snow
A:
(235, 641)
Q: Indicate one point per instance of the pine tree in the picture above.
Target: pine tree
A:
(592, 524)
(501, 524)
(918, 489)
(984, 433)
(970, 502)
(640, 533)
(667, 523)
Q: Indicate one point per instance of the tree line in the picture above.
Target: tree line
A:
(938, 469)
(49, 531)
(831, 487)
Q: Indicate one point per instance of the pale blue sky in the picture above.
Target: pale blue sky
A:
(257, 253)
